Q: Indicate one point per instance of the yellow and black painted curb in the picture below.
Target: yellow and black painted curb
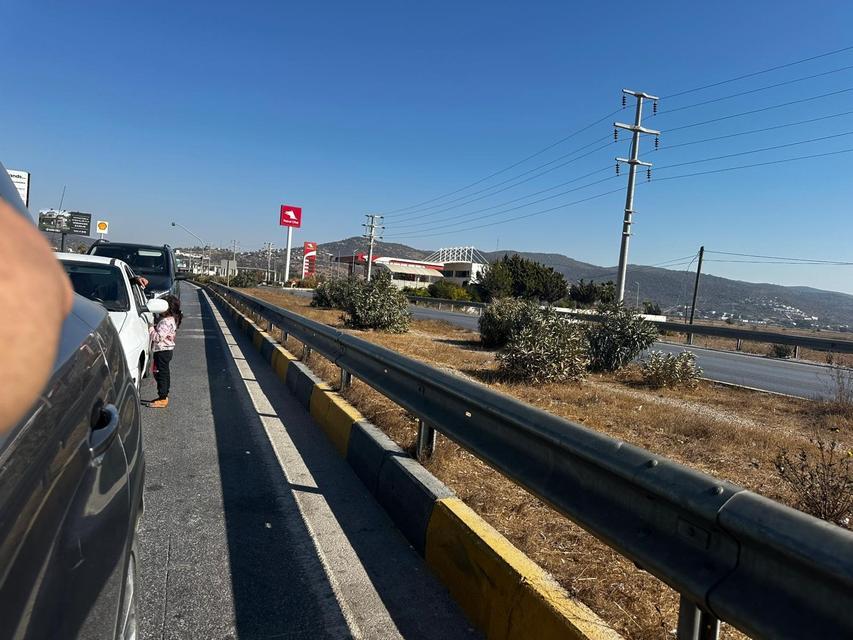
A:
(504, 593)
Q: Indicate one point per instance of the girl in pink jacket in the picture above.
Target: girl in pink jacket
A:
(163, 344)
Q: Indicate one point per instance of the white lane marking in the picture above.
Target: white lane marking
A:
(344, 571)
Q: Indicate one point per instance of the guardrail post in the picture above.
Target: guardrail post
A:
(689, 338)
(696, 624)
(306, 351)
(739, 344)
(797, 351)
(346, 379)
(426, 440)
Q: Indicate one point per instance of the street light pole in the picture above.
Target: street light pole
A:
(638, 296)
(204, 245)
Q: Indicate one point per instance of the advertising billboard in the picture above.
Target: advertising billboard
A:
(290, 216)
(21, 180)
(309, 259)
(65, 222)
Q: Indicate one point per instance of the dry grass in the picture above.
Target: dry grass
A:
(730, 433)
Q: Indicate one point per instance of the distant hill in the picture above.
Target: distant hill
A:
(672, 290)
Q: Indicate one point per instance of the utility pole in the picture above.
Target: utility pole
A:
(233, 259)
(269, 258)
(637, 128)
(371, 227)
(696, 291)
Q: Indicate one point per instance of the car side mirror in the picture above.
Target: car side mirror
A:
(157, 305)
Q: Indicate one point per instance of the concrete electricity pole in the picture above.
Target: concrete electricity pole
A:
(371, 227)
(234, 260)
(632, 163)
(269, 258)
(696, 291)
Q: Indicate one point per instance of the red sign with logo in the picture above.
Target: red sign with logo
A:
(309, 259)
(290, 216)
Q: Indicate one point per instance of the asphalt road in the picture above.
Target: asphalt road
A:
(254, 527)
(767, 374)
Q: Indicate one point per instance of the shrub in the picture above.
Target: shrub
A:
(378, 304)
(448, 290)
(619, 337)
(781, 351)
(503, 318)
(334, 293)
(247, 278)
(840, 401)
(418, 292)
(668, 370)
(822, 484)
(548, 348)
(522, 278)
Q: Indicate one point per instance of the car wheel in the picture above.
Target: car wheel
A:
(129, 626)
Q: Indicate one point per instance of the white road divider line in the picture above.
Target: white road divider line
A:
(344, 571)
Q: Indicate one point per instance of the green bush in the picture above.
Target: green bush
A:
(619, 337)
(378, 304)
(246, 279)
(668, 370)
(334, 293)
(548, 348)
(781, 351)
(448, 290)
(521, 278)
(503, 318)
(420, 292)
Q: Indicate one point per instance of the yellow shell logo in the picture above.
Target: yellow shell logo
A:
(102, 226)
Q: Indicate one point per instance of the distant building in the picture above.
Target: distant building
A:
(462, 265)
(417, 274)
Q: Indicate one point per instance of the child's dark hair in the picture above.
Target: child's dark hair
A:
(174, 309)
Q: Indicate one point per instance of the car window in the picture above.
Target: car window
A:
(100, 283)
(138, 296)
(144, 260)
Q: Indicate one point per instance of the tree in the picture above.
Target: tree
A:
(585, 292)
(522, 278)
(448, 290)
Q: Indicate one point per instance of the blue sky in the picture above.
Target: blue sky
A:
(212, 114)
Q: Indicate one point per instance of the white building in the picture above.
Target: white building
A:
(462, 265)
(417, 274)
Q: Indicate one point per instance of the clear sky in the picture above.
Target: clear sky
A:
(213, 113)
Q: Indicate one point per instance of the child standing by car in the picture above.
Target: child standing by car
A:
(163, 340)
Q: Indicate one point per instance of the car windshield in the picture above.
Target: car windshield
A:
(144, 260)
(100, 283)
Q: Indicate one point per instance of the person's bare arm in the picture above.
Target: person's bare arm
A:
(35, 298)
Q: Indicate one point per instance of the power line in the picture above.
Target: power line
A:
(760, 110)
(606, 193)
(666, 147)
(432, 221)
(754, 255)
(515, 218)
(751, 151)
(512, 166)
(496, 213)
(757, 164)
(750, 91)
(820, 263)
(758, 73)
(410, 232)
(462, 204)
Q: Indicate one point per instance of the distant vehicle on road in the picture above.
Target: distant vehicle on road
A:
(155, 262)
(107, 281)
(71, 478)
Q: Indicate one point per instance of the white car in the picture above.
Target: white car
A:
(108, 281)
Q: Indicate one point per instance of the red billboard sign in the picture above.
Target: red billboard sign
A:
(290, 216)
(309, 259)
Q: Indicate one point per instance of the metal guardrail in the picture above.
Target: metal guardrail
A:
(833, 345)
(732, 555)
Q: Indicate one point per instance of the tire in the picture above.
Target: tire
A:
(129, 628)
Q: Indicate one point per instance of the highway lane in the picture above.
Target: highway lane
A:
(254, 527)
(767, 374)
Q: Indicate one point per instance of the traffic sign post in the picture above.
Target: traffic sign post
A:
(102, 227)
(290, 217)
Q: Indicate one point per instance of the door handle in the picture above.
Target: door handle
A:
(104, 430)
